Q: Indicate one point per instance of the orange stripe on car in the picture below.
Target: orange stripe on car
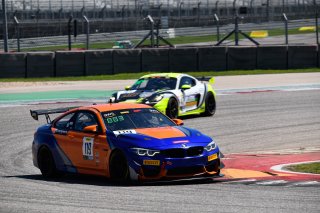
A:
(161, 132)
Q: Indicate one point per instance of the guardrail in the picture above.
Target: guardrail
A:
(104, 62)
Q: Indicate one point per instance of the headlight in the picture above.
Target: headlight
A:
(145, 152)
(211, 146)
(157, 98)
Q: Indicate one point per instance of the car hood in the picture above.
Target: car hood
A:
(135, 94)
(158, 138)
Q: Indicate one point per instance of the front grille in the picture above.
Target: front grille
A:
(174, 153)
(181, 153)
(185, 171)
(194, 151)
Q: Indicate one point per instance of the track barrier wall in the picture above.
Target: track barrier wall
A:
(183, 59)
(212, 58)
(155, 60)
(302, 56)
(104, 62)
(40, 64)
(272, 57)
(69, 63)
(13, 65)
(98, 62)
(126, 61)
(242, 58)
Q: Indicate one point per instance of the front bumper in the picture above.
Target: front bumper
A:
(175, 168)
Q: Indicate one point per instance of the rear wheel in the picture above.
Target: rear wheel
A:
(119, 170)
(210, 105)
(46, 163)
(172, 108)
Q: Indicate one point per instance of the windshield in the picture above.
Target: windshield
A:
(135, 119)
(155, 83)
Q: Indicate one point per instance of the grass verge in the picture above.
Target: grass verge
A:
(125, 76)
(313, 168)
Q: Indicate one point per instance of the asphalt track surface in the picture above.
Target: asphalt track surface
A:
(245, 122)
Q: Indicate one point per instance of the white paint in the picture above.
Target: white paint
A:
(280, 168)
(272, 182)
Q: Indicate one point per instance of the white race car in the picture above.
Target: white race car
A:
(174, 94)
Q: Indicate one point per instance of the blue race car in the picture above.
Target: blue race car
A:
(124, 142)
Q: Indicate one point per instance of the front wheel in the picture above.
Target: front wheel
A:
(210, 105)
(119, 170)
(172, 108)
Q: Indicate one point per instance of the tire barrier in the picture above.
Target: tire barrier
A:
(183, 59)
(127, 61)
(242, 58)
(272, 57)
(98, 62)
(302, 57)
(155, 60)
(212, 58)
(104, 62)
(13, 65)
(40, 64)
(69, 63)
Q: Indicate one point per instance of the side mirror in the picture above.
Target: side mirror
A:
(91, 128)
(127, 88)
(179, 122)
(185, 86)
(212, 80)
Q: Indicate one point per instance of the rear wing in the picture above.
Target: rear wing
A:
(35, 113)
(211, 80)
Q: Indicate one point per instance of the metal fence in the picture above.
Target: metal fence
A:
(37, 23)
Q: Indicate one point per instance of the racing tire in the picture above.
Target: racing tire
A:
(172, 108)
(46, 163)
(210, 105)
(119, 169)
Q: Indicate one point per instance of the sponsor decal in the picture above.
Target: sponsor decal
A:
(212, 157)
(87, 148)
(151, 162)
(123, 132)
(111, 114)
(60, 132)
(182, 141)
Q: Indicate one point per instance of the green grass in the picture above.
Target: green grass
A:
(313, 168)
(177, 40)
(124, 76)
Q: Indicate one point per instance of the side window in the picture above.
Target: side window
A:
(84, 119)
(187, 81)
(65, 123)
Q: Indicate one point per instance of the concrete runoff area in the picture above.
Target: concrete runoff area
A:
(13, 65)
(212, 58)
(272, 57)
(40, 64)
(155, 59)
(127, 61)
(69, 63)
(98, 62)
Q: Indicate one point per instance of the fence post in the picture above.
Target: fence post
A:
(5, 26)
(199, 3)
(286, 26)
(69, 32)
(216, 18)
(88, 30)
(17, 24)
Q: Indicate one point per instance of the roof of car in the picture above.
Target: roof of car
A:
(115, 106)
(170, 75)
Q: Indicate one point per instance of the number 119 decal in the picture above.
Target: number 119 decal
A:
(87, 148)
